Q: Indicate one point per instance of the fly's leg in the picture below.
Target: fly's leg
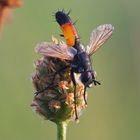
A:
(74, 83)
(40, 91)
(85, 95)
(50, 85)
(96, 82)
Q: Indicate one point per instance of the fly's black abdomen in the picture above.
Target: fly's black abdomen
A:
(62, 18)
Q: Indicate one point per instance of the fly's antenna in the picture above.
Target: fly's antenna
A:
(96, 82)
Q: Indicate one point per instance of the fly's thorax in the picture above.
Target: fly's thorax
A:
(81, 62)
(84, 62)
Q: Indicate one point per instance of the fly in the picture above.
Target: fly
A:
(75, 53)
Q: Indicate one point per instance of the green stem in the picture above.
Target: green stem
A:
(61, 130)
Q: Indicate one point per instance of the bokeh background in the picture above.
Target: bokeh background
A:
(113, 111)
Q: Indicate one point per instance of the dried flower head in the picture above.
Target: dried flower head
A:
(5, 8)
(56, 103)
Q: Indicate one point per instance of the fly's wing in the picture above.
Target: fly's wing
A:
(55, 50)
(98, 37)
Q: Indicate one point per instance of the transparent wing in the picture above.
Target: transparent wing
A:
(55, 50)
(98, 37)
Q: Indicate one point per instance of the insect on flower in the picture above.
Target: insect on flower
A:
(5, 7)
(75, 53)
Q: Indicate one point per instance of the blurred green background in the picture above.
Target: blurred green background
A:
(113, 111)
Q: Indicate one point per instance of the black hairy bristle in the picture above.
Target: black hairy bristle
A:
(69, 12)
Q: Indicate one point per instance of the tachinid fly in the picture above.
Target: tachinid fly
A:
(75, 53)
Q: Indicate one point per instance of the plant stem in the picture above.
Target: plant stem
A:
(61, 130)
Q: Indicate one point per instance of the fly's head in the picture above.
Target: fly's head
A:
(88, 77)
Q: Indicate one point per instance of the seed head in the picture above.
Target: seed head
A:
(56, 103)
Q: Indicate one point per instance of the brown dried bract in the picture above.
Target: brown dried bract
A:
(5, 9)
